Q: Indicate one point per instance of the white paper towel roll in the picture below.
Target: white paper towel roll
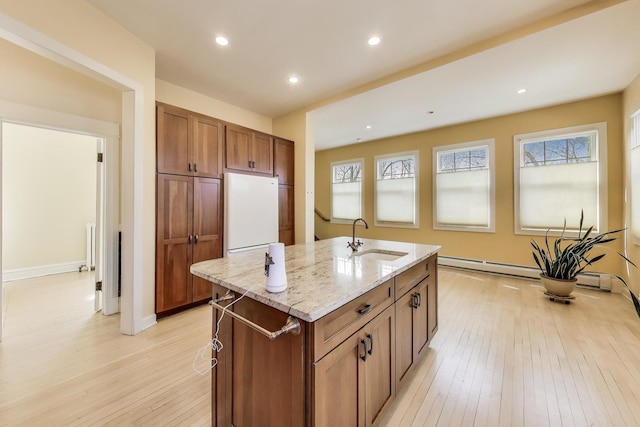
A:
(277, 274)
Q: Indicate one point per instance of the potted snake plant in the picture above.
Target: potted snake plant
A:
(561, 260)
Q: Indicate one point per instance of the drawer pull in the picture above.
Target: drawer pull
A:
(365, 309)
(363, 356)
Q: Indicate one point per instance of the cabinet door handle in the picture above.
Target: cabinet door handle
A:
(190, 238)
(414, 300)
(370, 351)
(195, 167)
(363, 356)
(190, 167)
(197, 238)
(419, 299)
(365, 309)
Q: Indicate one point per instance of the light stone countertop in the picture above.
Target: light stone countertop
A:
(322, 276)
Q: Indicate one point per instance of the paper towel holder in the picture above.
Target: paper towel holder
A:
(291, 326)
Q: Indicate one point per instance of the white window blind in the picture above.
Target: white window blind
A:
(396, 190)
(558, 177)
(463, 186)
(346, 190)
(635, 177)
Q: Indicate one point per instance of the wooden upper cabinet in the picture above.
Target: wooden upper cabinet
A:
(208, 135)
(284, 161)
(172, 137)
(262, 153)
(188, 143)
(248, 151)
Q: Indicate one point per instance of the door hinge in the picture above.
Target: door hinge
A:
(99, 286)
(99, 157)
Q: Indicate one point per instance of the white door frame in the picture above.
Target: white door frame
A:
(107, 225)
(131, 321)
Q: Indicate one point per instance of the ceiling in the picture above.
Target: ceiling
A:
(324, 43)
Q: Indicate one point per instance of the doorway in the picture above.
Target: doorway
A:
(61, 188)
(49, 199)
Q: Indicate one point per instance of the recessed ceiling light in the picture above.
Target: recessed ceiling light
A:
(222, 41)
(293, 80)
(523, 90)
(374, 40)
(368, 126)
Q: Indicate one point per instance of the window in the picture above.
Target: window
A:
(346, 190)
(463, 186)
(396, 192)
(634, 140)
(559, 174)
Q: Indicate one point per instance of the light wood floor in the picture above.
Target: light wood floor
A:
(503, 355)
(61, 364)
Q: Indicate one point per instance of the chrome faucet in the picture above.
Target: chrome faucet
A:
(354, 245)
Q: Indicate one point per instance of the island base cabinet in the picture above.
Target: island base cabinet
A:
(412, 329)
(257, 381)
(343, 369)
(432, 301)
(355, 381)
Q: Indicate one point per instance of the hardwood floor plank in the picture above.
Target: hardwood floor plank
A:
(504, 355)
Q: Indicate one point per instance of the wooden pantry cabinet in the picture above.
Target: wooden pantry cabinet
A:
(284, 170)
(189, 230)
(192, 153)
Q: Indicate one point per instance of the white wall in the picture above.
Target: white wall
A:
(49, 195)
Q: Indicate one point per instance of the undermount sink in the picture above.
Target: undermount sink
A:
(380, 254)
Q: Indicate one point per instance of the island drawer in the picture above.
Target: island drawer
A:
(408, 279)
(335, 327)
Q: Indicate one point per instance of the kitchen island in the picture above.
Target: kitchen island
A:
(357, 322)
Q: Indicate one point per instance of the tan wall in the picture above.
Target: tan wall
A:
(184, 98)
(631, 105)
(296, 127)
(503, 245)
(49, 195)
(79, 26)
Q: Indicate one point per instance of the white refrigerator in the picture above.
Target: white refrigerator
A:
(250, 212)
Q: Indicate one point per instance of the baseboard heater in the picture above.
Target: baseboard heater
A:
(594, 280)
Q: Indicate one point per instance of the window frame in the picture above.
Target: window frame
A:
(416, 194)
(600, 154)
(491, 157)
(362, 171)
(634, 148)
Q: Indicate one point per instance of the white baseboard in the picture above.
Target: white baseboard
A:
(43, 270)
(148, 321)
(602, 281)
